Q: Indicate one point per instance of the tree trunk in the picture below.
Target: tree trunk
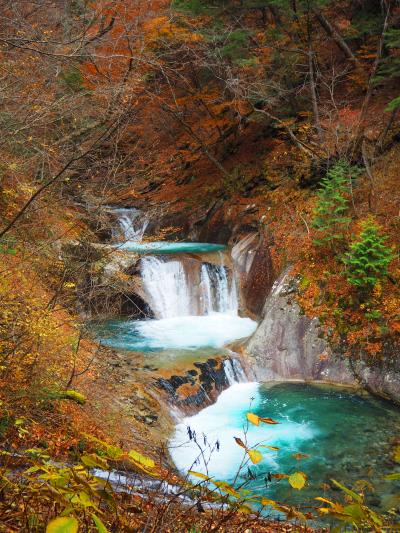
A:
(334, 34)
(364, 108)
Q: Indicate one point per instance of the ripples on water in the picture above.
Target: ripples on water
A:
(347, 436)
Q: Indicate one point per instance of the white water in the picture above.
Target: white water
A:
(173, 294)
(193, 332)
(223, 421)
(167, 287)
(218, 292)
(131, 224)
(233, 371)
(195, 304)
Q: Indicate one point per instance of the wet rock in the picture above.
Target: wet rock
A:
(253, 265)
(196, 388)
(287, 345)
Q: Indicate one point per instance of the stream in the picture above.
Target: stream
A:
(341, 434)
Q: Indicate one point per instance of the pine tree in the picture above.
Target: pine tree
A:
(330, 220)
(368, 259)
(390, 65)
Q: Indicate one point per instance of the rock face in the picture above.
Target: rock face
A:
(198, 387)
(288, 345)
(253, 266)
(108, 278)
(382, 377)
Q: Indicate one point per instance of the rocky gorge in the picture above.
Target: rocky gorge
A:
(287, 344)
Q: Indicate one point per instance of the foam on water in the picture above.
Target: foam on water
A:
(344, 436)
(184, 332)
(223, 421)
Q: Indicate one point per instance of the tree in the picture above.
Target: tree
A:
(368, 259)
(330, 220)
(390, 67)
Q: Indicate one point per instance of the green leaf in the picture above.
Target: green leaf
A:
(356, 497)
(63, 524)
(393, 104)
(394, 476)
(73, 396)
(101, 528)
(355, 511)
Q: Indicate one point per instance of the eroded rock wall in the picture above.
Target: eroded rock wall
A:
(254, 269)
(287, 345)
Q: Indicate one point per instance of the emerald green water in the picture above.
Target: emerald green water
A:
(163, 247)
(347, 436)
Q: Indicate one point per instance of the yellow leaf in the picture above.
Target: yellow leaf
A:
(198, 474)
(225, 487)
(63, 524)
(245, 509)
(266, 501)
(255, 456)
(297, 480)
(254, 419)
(320, 499)
(396, 454)
(140, 459)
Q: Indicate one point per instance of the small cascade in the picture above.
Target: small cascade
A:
(193, 302)
(167, 287)
(131, 224)
(239, 372)
(205, 288)
(218, 291)
(183, 288)
(229, 372)
(233, 371)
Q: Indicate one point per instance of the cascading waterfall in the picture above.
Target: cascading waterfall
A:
(218, 291)
(167, 285)
(195, 303)
(205, 287)
(131, 224)
(233, 371)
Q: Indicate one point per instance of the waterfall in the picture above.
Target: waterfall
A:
(205, 288)
(233, 371)
(218, 291)
(167, 287)
(183, 288)
(131, 224)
